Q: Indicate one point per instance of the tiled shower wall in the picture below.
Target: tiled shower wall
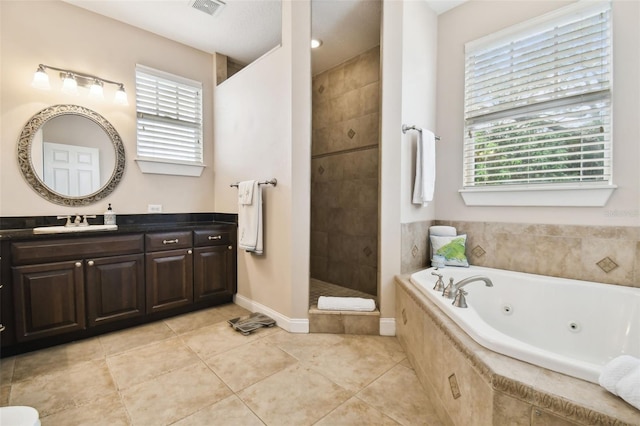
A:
(606, 254)
(344, 173)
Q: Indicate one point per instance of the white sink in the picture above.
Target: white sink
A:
(68, 229)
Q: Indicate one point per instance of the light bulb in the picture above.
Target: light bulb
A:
(41, 80)
(70, 85)
(96, 91)
(315, 43)
(121, 97)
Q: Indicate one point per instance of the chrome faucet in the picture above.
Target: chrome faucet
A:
(439, 283)
(457, 286)
(458, 294)
(68, 218)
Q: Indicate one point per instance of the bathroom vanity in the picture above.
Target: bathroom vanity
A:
(62, 287)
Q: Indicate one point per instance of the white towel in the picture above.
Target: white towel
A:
(621, 377)
(245, 192)
(250, 221)
(328, 303)
(628, 388)
(425, 168)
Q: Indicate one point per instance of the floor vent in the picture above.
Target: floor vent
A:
(210, 7)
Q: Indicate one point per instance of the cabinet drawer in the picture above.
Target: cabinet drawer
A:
(158, 241)
(43, 251)
(211, 237)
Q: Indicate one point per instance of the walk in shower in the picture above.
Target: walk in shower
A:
(345, 178)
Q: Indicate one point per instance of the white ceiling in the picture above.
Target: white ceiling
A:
(246, 29)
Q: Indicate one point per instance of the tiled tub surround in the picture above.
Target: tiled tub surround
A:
(344, 179)
(471, 385)
(606, 254)
(415, 246)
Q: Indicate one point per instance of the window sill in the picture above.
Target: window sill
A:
(166, 168)
(547, 196)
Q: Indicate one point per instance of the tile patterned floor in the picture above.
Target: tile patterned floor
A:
(319, 288)
(196, 370)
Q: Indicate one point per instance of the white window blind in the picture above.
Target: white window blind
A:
(538, 102)
(169, 111)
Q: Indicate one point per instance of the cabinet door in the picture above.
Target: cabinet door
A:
(115, 288)
(169, 279)
(213, 271)
(48, 299)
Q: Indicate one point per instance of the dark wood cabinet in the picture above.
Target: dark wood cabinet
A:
(115, 288)
(48, 299)
(50, 277)
(169, 272)
(7, 330)
(66, 288)
(214, 264)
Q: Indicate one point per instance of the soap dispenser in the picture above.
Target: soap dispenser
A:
(109, 216)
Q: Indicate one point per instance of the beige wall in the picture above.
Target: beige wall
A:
(263, 131)
(478, 18)
(419, 53)
(406, 97)
(61, 35)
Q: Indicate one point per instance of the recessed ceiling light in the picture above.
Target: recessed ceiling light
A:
(315, 43)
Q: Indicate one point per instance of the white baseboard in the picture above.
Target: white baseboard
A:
(292, 325)
(387, 326)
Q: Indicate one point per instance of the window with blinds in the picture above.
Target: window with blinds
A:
(538, 102)
(169, 111)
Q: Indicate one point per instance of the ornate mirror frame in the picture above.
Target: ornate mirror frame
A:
(26, 164)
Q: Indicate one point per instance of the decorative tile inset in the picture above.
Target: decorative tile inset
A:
(351, 133)
(478, 251)
(367, 251)
(321, 89)
(415, 251)
(321, 170)
(607, 265)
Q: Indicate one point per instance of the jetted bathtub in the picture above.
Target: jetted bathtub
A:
(568, 326)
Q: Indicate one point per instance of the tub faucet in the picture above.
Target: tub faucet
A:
(457, 286)
(439, 283)
(458, 294)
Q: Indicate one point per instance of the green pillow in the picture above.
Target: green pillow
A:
(451, 248)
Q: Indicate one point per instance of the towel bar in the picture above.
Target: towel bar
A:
(273, 182)
(406, 128)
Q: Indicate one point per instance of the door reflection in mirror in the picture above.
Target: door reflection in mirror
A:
(72, 155)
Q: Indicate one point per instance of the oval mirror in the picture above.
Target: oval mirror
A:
(71, 155)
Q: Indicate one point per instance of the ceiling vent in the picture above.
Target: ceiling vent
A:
(210, 7)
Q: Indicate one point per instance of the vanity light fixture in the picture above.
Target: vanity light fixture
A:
(72, 79)
(96, 91)
(69, 84)
(121, 96)
(41, 79)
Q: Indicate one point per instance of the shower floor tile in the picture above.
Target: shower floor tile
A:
(319, 288)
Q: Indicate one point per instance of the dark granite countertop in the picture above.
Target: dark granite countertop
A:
(22, 227)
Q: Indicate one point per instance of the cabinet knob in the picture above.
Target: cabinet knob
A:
(1, 286)
(230, 247)
(215, 237)
(174, 241)
(189, 251)
(78, 264)
(2, 327)
(90, 263)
